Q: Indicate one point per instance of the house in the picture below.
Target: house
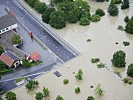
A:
(34, 56)
(9, 59)
(7, 19)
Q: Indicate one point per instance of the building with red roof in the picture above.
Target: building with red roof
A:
(35, 56)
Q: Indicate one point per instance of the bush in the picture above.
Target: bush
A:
(101, 65)
(125, 4)
(113, 9)
(95, 60)
(95, 18)
(77, 90)
(46, 91)
(120, 28)
(1, 50)
(31, 2)
(130, 70)
(84, 21)
(90, 98)
(10, 95)
(39, 96)
(16, 39)
(129, 26)
(100, 0)
(31, 84)
(65, 81)
(40, 7)
(26, 63)
(59, 98)
(72, 16)
(100, 12)
(127, 80)
(126, 19)
(99, 91)
(57, 19)
(119, 59)
(79, 74)
(46, 15)
(125, 43)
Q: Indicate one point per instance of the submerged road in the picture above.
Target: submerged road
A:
(39, 31)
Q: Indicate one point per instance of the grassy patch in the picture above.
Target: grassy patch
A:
(19, 80)
(95, 60)
(100, 65)
(5, 70)
(127, 80)
(35, 63)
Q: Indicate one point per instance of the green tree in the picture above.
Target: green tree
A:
(58, 19)
(129, 26)
(126, 19)
(99, 91)
(2, 65)
(59, 98)
(84, 21)
(119, 59)
(72, 16)
(46, 15)
(90, 98)
(125, 4)
(77, 90)
(79, 74)
(10, 95)
(130, 70)
(100, 0)
(39, 96)
(46, 91)
(40, 7)
(113, 9)
(95, 18)
(100, 12)
(116, 1)
(32, 2)
(65, 81)
(1, 50)
(31, 84)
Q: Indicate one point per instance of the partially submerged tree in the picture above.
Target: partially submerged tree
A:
(59, 98)
(130, 70)
(129, 26)
(10, 95)
(125, 4)
(1, 50)
(39, 96)
(46, 91)
(100, 12)
(99, 91)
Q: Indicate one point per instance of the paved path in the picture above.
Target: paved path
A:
(63, 53)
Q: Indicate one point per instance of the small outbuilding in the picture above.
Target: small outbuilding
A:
(35, 56)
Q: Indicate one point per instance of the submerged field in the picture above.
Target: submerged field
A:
(103, 35)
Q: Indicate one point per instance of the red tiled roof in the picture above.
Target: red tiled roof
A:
(35, 56)
(6, 59)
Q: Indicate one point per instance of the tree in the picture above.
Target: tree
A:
(116, 1)
(40, 7)
(58, 19)
(72, 16)
(99, 91)
(10, 95)
(46, 91)
(77, 90)
(90, 98)
(84, 21)
(100, 12)
(65, 81)
(31, 84)
(125, 4)
(1, 50)
(79, 74)
(129, 26)
(119, 59)
(95, 18)
(113, 9)
(2, 65)
(130, 70)
(39, 96)
(100, 0)
(32, 3)
(59, 98)
(46, 15)
(126, 19)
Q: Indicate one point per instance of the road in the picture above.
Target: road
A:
(24, 17)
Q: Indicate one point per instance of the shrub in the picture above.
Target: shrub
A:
(99, 91)
(31, 2)
(65, 81)
(59, 98)
(40, 7)
(77, 90)
(79, 74)
(127, 80)
(39, 96)
(95, 60)
(10, 95)
(84, 21)
(26, 63)
(130, 70)
(113, 9)
(57, 19)
(116, 1)
(46, 91)
(120, 28)
(129, 26)
(126, 19)
(72, 16)
(1, 50)
(119, 59)
(100, 0)
(95, 18)
(16, 39)
(125, 4)
(46, 15)
(90, 98)
(31, 84)
(89, 40)
(125, 43)
(100, 12)
(2, 65)
(101, 65)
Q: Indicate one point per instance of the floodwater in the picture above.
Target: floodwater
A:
(103, 34)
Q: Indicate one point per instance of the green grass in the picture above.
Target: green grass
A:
(19, 80)
(35, 63)
(5, 70)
